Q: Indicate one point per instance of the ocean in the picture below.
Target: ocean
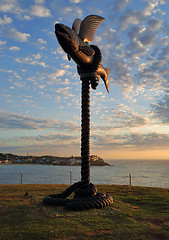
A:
(149, 173)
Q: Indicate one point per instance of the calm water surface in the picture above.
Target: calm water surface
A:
(144, 173)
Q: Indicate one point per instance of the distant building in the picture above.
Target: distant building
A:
(94, 158)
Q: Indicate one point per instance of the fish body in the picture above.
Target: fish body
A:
(74, 42)
(74, 46)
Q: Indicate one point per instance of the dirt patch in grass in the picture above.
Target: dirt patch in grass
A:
(98, 232)
(159, 221)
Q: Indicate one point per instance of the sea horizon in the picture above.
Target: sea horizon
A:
(151, 173)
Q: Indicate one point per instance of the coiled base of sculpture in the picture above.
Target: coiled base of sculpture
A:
(84, 198)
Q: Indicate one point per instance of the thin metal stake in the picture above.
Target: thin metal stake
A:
(21, 176)
(71, 177)
(130, 179)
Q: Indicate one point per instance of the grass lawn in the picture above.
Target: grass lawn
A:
(137, 213)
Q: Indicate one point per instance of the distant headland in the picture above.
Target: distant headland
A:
(8, 158)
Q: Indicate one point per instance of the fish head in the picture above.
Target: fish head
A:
(67, 38)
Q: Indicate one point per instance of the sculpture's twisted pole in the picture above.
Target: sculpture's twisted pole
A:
(88, 76)
(85, 133)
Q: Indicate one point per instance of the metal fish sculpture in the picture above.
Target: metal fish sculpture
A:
(75, 43)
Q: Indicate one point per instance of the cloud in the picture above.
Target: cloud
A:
(124, 117)
(12, 6)
(14, 48)
(2, 45)
(135, 49)
(151, 140)
(121, 118)
(164, 51)
(39, 1)
(59, 73)
(18, 36)
(139, 45)
(130, 17)
(49, 137)
(9, 5)
(6, 71)
(149, 8)
(37, 56)
(55, 147)
(40, 11)
(2, 42)
(132, 141)
(154, 24)
(6, 20)
(55, 76)
(40, 40)
(16, 121)
(154, 72)
(148, 36)
(161, 109)
(134, 17)
(121, 73)
(64, 92)
(119, 5)
(75, 1)
(141, 40)
(148, 39)
(72, 12)
(33, 60)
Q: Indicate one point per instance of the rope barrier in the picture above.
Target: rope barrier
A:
(137, 181)
(120, 177)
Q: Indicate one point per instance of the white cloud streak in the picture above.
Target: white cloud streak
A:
(9, 6)
(161, 109)
(132, 141)
(5, 20)
(40, 11)
(18, 36)
(119, 5)
(14, 48)
(33, 60)
(2, 42)
(134, 17)
(40, 40)
(16, 121)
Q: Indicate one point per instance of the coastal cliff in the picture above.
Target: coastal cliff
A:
(49, 160)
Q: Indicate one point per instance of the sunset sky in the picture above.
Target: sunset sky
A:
(40, 90)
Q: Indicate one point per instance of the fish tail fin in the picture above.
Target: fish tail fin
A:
(107, 78)
(107, 71)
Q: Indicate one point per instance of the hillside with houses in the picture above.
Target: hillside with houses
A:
(49, 160)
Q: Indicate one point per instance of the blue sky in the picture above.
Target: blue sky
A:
(40, 90)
